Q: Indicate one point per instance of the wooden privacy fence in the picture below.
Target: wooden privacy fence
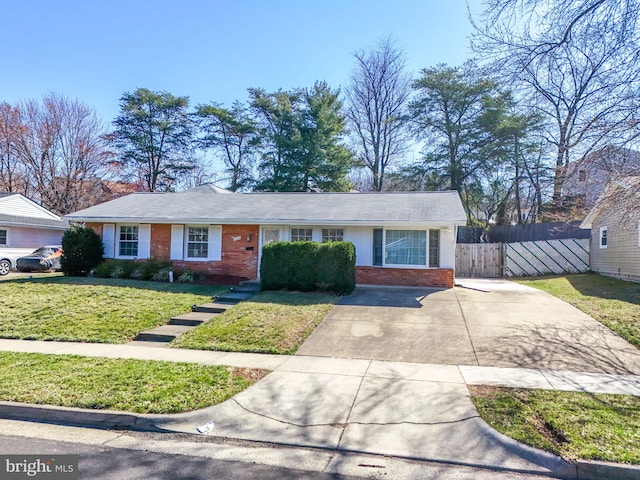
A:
(523, 258)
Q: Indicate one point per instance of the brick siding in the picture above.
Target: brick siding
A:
(408, 277)
(236, 261)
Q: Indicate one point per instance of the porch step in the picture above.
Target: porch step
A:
(233, 297)
(212, 307)
(163, 333)
(246, 289)
(247, 283)
(192, 319)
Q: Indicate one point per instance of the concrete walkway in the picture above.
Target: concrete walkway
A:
(409, 410)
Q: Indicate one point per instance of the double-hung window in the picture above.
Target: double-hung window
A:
(332, 234)
(198, 242)
(128, 240)
(603, 237)
(301, 234)
(4, 237)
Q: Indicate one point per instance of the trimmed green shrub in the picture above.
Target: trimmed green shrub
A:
(308, 266)
(83, 250)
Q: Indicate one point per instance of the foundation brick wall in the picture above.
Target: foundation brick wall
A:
(408, 277)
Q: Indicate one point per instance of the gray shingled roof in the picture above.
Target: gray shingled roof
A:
(203, 205)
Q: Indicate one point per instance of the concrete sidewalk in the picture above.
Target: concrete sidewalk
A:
(408, 410)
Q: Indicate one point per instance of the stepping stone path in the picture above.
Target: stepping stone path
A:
(160, 336)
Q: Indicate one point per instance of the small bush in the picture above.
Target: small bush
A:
(161, 275)
(112, 268)
(188, 276)
(83, 250)
(308, 266)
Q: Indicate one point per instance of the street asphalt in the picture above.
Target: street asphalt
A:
(372, 380)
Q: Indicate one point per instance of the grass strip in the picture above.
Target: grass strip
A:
(92, 309)
(271, 322)
(574, 425)
(614, 303)
(138, 386)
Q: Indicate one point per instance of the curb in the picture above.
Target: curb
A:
(612, 471)
(108, 419)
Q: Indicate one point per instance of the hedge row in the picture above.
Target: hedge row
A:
(308, 266)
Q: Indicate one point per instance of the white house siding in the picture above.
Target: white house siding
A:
(448, 248)
(362, 239)
(27, 237)
(621, 258)
(19, 206)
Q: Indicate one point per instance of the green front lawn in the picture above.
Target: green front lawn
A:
(271, 322)
(614, 303)
(575, 425)
(92, 309)
(117, 384)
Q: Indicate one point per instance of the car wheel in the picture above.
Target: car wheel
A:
(5, 267)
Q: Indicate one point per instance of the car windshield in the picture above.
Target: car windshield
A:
(44, 252)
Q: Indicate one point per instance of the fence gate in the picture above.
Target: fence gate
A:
(475, 260)
(546, 257)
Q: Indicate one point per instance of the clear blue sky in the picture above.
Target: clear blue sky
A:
(211, 50)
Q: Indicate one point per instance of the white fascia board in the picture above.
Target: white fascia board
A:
(262, 221)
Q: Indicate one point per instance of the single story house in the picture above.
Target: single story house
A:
(401, 238)
(25, 226)
(614, 222)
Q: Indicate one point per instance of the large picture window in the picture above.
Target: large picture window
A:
(198, 242)
(128, 241)
(406, 247)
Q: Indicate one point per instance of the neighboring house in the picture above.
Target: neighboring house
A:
(25, 226)
(615, 230)
(400, 238)
(586, 179)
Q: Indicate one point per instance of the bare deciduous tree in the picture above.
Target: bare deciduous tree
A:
(580, 63)
(377, 95)
(59, 142)
(11, 169)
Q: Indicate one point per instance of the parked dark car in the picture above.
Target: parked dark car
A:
(42, 259)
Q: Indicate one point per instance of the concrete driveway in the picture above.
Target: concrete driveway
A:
(482, 322)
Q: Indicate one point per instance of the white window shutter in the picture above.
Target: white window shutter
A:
(109, 239)
(215, 242)
(144, 240)
(177, 242)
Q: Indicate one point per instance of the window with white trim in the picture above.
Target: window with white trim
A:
(128, 240)
(434, 248)
(332, 235)
(301, 234)
(198, 242)
(4, 237)
(405, 247)
(603, 237)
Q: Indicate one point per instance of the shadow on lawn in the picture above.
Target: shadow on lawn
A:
(599, 286)
(193, 288)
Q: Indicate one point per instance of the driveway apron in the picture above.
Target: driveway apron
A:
(479, 322)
